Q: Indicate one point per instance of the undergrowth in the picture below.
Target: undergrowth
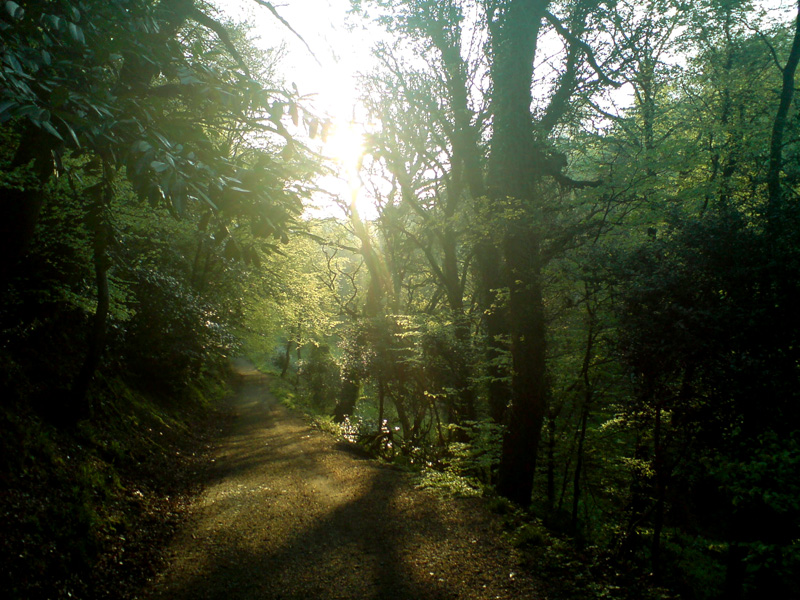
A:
(84, 507)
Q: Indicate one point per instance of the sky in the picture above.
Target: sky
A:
(338, 52)
(324, 63)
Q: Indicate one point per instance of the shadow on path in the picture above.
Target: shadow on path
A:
(286, 514)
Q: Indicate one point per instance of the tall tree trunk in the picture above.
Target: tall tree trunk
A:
(101, 230)
(576, 480)
(20, 206)
(779, 125)
(588, 396)
(287, 359)
(528, 407)
(512, 173)
(661, 490)
(494, 320)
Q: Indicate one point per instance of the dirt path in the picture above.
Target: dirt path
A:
(288, 513)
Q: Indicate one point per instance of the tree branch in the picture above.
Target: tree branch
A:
(200, 17)
(572, 39)
(779, 124)
(286, 24)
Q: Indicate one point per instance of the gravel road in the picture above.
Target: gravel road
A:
(287, 512)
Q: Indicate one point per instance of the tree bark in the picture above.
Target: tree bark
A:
(779, 125)
(526, 413)
(512, 174)
(21, 206)
(588, 396)
(101, 230)
(287, 359)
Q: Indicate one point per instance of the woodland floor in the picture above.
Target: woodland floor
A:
(289, 512)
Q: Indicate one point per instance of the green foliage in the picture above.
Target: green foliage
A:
(666, 284)
(531, 535)
(478, 456)
(285, 393)
(145, 163)
(698, 565)
(326, 424)
(319, 376)
(447, 483)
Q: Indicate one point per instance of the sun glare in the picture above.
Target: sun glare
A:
(345, 145)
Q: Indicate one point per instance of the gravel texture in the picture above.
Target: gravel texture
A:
(288, 512)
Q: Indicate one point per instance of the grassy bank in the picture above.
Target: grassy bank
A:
(86, 509)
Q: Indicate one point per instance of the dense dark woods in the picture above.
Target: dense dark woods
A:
(576, 290)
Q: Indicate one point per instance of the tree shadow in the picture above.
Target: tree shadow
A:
(362, 549)
(286, 524)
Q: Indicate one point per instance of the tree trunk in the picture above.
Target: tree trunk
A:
(660, 473)
(21, 206)
(514, 35)
(779, 125)
(287, 359)
(588, 396)
(528, 407)
(495, 323)
(101, 230)
(576, 481)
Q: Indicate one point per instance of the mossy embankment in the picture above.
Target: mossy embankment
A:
(86, 508)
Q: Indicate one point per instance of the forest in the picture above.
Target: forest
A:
(560, 275)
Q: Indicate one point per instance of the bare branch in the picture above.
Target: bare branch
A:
(573, 40)
(285, 23)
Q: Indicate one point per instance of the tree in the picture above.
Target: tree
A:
(138, 89)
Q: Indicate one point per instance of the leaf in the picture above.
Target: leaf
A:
(162, 139)
(203, 195)
(5, 114)
(178, 203)
(52, 20)
(76, 33)
(12, 60)
(71, 132)
(187, 76)
(156, 196)
(14, 10)
(159, 166)
(28, 110)
(232, 250)
(267, 248)
(51, 130)
(254, 257)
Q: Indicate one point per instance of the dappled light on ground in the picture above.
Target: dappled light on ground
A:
(287, 514)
